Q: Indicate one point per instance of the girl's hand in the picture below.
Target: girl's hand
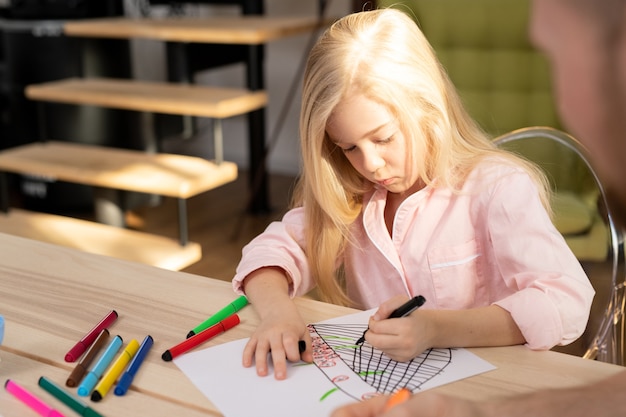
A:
(405, 338)
(402, 339)
(281, 326)
(278, 335)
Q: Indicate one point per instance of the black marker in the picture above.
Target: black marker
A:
(402, 311)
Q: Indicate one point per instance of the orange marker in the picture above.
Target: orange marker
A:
(398, 397)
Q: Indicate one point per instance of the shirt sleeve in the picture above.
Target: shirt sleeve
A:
(553, 300)
(280, 245)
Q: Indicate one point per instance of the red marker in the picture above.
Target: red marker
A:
(203, 336)
(83, 344)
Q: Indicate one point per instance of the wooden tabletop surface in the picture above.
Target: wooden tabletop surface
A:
(50, 296)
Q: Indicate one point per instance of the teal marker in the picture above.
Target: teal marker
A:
(91, 379)
(227, 311)
(67, 399)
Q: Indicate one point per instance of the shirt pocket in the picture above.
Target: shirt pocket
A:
(455, 274)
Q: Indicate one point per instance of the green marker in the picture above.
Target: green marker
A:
(229, 310)
(67, 399)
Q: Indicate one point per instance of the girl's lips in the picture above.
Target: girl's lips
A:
(385, 182)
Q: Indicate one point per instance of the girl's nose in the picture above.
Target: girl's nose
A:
(372, 162)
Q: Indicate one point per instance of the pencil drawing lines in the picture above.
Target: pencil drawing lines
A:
(337, 355)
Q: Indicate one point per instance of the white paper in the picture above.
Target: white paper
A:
(342, 373)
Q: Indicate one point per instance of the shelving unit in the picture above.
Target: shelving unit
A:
(111, 169)
(177, 176)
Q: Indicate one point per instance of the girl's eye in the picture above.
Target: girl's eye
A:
(346, 150)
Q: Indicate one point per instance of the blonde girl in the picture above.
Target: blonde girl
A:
(402, 194)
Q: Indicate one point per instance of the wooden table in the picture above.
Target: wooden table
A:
(248, 31)
(50, 296)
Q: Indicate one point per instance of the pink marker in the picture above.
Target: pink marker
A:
(30, 400)
(83, 344)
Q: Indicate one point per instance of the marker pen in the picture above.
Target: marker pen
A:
(1, 329)
(398, 397)
(83, 344)
(108, 379)
(201, 337)
(31, 400)
(91, 379)
(66, 398)
(79, 370)
(230, 309)
(127, 377)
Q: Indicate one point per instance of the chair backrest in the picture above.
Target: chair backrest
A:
(576, 191)
(552, 149)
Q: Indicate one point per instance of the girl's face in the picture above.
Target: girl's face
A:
(370, 137)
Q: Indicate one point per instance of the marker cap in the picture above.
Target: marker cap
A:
(123, 384)
(75, 352)
(87, 385)
(240, 303)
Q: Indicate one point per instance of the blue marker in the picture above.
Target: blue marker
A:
(127, 377)
(90, 381)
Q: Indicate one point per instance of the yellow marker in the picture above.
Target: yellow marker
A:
(114, 371)
(398, 397)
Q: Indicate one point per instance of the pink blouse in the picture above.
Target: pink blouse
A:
(490, 243)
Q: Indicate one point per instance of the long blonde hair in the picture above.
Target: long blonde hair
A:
(383, 55)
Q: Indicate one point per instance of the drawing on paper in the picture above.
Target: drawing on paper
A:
(341, 374)
(362, 371)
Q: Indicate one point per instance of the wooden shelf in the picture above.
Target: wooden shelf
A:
(155, 97)
(244, 30)
(100, 239)
(169, 175)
